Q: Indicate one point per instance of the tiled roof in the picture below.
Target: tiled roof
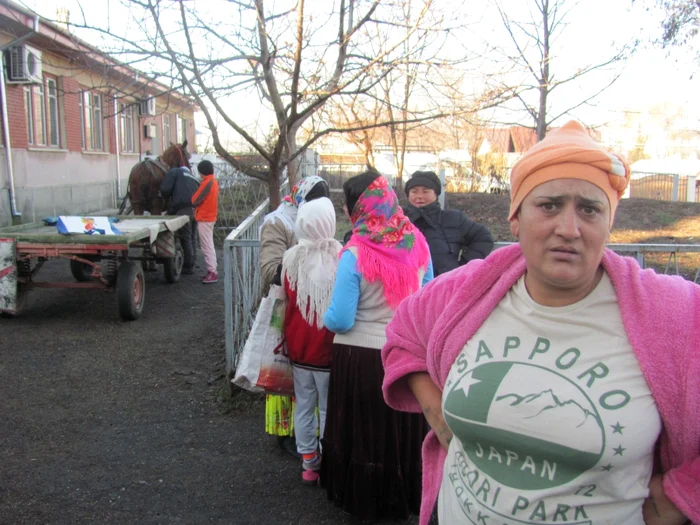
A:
(522, 139)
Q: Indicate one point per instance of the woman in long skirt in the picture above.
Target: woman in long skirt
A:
(371, 453)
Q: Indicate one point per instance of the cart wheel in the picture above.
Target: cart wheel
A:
(173, 265)
(80, 270)
(131, 291)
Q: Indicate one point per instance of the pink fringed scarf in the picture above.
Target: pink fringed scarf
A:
(389, 248)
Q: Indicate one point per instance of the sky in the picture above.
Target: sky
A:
(651, 77)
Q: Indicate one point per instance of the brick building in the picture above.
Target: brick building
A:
(78, 121)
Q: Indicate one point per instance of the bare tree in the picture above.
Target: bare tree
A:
(404, 107)
(361, 115)
(412, 93)
(286, 58)
(532, 54)
(682, 21)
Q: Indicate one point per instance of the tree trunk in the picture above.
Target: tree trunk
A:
(294, 171)
(273, 186)
(544, 68)
(294, 166)
(542, 115)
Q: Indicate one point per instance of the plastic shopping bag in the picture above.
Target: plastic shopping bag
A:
(264, 365)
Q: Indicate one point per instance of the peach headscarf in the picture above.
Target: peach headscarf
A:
(569, 153)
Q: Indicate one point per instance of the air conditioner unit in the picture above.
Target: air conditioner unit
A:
(150, 131)
(147, 107)
(24, 65)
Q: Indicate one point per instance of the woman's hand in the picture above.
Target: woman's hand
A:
(443, 433)
(430, 398)
(657, 508)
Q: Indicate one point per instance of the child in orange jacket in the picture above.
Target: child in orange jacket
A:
(206, 203)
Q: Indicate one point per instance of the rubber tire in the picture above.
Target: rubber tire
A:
(172, 266)
(131, 291)
(80, 270)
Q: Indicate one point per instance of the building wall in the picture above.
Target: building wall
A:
(67, 179)
(72, 183)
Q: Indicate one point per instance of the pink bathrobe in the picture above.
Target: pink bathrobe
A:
(661, 315)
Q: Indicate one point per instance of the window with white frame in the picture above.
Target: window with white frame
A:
(41, 104)
(91, 121)
(180, 129)
(126, 127)
(52, 111)
(39, 115)
(30, 114)
(166, 131)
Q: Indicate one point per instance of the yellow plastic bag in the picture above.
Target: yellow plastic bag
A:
(279, 415)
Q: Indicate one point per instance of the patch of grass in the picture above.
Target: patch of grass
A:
(239, 401)
(664, 218)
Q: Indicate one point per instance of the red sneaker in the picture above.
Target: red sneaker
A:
(310, 477)
(210, 277)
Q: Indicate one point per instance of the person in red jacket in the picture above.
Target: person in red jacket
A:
(206, 203)
(308, 274)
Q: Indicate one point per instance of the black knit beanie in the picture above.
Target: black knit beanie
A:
(427, 179)
(205, 167)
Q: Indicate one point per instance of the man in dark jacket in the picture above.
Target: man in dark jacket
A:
(453, 239)
(179, 185)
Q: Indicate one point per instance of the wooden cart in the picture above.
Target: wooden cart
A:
(108, 262)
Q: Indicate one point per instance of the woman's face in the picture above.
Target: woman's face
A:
(562, 226)
(421, 196)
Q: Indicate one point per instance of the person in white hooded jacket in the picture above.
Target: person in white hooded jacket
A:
(308, 275)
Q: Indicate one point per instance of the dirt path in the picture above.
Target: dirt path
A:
(114, 422)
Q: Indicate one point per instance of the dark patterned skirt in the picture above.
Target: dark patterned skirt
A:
(371, 453)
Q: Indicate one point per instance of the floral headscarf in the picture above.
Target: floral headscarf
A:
(302, 189)
(287, 210)
(389, 248)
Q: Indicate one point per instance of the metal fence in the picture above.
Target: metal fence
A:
(242, 276)
(643, 185)
(337, 174)
(664, 187)
(239, 194)
(238, 198)
(242, 281)
(653, 255)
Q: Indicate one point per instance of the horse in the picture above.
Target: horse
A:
(145, 178)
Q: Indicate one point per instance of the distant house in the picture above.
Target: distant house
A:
(78, 121)
(513, 139)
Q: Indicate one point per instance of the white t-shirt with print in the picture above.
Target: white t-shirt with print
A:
(553, 421)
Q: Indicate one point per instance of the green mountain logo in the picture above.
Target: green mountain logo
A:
(524, 425)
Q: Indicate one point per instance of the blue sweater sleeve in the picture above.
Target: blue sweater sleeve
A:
(340, 316)
(429, 274)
